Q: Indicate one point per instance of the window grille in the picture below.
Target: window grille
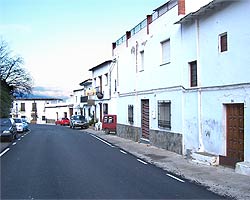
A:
(164, 114)
(131, 114)
(193, 73)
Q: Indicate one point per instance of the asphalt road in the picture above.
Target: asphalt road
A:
(54, 162)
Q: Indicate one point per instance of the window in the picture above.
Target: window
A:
(165, 51)
(115, 85)
(34, 107)
(105, 108)
(83, 99)
(142, 61)
(22, 106)
(223, 42)
(164, 114)
(193, 73)
(106, 79)
(43, 118)
(100, 81)
(131, 114)
(89, 112)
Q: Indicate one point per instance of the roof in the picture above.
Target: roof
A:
(86, 82)
(101, 65)
(38, 99)
(78, 90)
(210, 7)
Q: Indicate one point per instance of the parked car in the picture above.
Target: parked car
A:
(78, 121)
(19, 124)
(109, 123)
(8, 129)
(25, 125)
(63, 122)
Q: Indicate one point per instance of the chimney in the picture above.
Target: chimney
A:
(181, 7)
(113, 47)
(149, 21)
(128, 35)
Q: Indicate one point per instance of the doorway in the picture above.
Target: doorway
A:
(234, 135)
(145, 119)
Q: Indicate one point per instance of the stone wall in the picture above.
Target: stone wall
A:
(166, 140)
(128, 132)
(162, 139)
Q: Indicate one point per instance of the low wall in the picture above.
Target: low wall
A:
(162, 139)
(128, 132)
(166, 140)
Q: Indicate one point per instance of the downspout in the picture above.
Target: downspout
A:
(138, 133)
(201, 145)
(110, 80)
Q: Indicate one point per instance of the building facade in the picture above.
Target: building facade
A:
(104, 77)
(33, 109)
(183, 80)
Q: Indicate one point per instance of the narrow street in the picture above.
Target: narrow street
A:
(55, 162)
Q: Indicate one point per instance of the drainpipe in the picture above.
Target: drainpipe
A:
(137, 109)
(201, 145)
(110, 73)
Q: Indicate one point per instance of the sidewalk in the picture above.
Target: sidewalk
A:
(221, 180)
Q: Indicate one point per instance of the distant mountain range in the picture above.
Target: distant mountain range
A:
(45, 92)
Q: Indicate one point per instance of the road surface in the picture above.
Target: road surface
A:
(55, 162)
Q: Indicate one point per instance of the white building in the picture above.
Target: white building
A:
(87, 99)
(183, 80)
(104, 78)
(214, 41)
(58, 110)
(33, 109)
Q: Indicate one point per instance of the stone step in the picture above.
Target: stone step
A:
(205, 158)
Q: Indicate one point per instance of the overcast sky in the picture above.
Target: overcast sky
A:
(61, 39)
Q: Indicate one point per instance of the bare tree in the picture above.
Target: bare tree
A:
(12, 72)
(14, 78)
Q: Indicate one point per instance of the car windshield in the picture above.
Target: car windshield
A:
(18, 120)
(80, 117)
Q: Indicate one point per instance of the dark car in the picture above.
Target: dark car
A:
(78, 121)
(8, 129)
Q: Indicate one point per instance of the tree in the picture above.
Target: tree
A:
(14, 78)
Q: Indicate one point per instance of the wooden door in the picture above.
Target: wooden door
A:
(145, 119)
(234, 134)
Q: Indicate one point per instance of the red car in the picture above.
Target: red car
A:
(63, 122)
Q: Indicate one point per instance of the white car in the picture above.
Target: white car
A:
(19, 124)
